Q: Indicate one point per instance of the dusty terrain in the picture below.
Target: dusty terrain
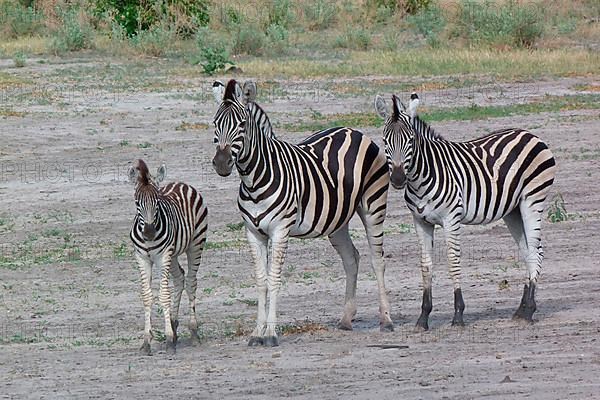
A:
(70, 313)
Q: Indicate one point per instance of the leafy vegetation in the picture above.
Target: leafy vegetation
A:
(557, 211)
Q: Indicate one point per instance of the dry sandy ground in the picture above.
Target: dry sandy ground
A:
(70, 313)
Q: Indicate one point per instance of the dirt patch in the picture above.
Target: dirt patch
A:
(70, 314)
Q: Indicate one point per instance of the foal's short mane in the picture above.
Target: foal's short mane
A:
(144, 173)
(422, 128)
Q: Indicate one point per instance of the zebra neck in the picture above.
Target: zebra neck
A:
(256, 160)
(417, 165)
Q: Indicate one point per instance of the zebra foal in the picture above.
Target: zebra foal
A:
(506, 174)
(169, 221)
(304, 190)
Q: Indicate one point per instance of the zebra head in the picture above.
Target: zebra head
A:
(146, 197)
(229, 122)
(398, 133)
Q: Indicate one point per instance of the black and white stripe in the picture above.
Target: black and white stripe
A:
(304, 190)
(506, 174)
(170, 221)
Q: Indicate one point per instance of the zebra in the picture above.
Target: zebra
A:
(505, 174)
(304, 190)
(169, 221)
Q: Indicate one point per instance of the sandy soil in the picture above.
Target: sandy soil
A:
(70, 314)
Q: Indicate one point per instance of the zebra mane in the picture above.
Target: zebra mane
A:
(230, 90)
(424, 129)
(144, 173)
(261, 119)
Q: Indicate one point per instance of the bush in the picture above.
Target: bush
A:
(510, 23)
(74, 33)
(428, 22)
(412, 7)
(357, 39)
(277, 39)
(19, 59)
(280, 13)
(154, 41)
(135, 16)
(214, 53)
(18, 20)
(249, 40)
(319, 14)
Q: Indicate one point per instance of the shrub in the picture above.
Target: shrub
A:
(214, 53)
(19, 59)
(154, 41)
(412, 7)
(357, 39)
(510, 23)
(319, 14)
(277, 39)
(557, 211)
(280, 13)
(249, 40)
(428, 22)
(185, 16)
(74, 33)
(19, 20)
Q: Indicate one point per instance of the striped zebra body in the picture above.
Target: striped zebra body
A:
(304, 190)
(506, 174)
(169, 222)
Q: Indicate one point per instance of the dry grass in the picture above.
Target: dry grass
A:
(30, 45)
(434, 62)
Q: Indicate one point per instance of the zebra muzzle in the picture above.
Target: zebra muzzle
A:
(222, 161)
(149, 232)
(398, 177)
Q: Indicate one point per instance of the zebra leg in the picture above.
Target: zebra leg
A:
(425, 234)
(373, 224)
(342, 243)
(164, 297)
(191, 283)
(279, 244)
(178, 279)
(452, 232)
(531, 221)
(259, 247)
(145, 266)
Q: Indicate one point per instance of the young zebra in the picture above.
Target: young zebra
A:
(306, 190)
(170, 221)
(506, 174)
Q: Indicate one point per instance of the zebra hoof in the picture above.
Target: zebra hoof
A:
(271, 341)
(195, 338)
(170, 349)
(145, 349)
(345, 325)
(422, 325)
(255, 341)
(386, 327)
(524, 314)
(459, 323)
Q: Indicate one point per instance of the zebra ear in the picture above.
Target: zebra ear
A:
(249, 92)
(412, 106)
(381, 107)
(218, 91)
(133, 174)
(161, 173)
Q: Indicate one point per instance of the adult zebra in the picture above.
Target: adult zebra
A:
(170, 221)
(306, 190)
(506, 174)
